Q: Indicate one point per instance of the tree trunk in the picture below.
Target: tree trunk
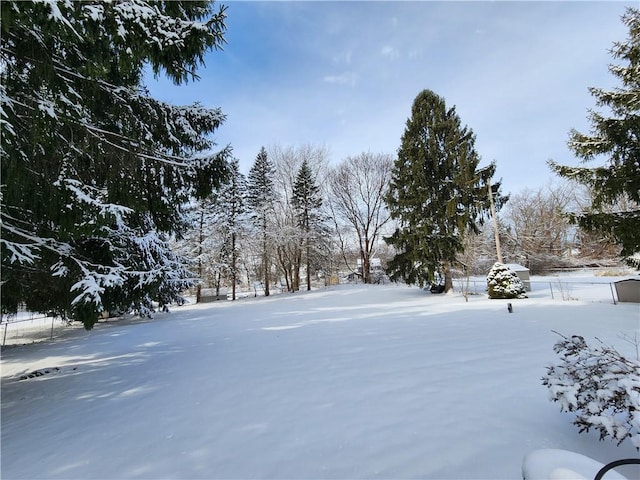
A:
(285, 266)
(287, 280)
(266, 276)
(448, 279)
(296, 270)
(296, 277)
(265, 259)
(308, 253)
(200, 241)
(367, 268)
(364, 260)
(367, 256)
(234, 260)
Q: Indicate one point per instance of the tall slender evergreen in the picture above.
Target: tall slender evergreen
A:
(436, 193)
(231, 210)
(307, 202)
(260, 199)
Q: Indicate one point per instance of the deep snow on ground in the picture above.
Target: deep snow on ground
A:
(348, 382)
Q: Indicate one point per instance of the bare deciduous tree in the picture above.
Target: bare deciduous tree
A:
(540, 231)
(357, 187)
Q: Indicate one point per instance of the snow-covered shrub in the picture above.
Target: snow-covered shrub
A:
(600, 385)
(504, 283)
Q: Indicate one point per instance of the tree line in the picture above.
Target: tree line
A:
(113, 201)
(292, 218)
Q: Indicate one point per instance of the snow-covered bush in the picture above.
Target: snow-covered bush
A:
(600, 385)
(504, 283)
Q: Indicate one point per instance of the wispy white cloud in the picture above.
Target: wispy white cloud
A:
(389, 52)
(345, 74)
(347, 78)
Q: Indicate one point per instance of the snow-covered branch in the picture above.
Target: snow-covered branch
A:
(600, 385)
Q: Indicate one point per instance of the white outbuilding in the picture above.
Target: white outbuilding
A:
(523, 274)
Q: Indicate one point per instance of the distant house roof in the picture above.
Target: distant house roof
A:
(516, 267)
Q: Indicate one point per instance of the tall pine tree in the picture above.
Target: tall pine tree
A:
(260, 200)
(436, 193)
(615, 137)
(307, 202)
(231, 211)
(94, 170)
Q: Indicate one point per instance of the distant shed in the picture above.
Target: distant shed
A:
(523, 274)
(628, 290)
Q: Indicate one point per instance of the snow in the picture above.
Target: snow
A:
(95, 12)
(46, 106)
(352, 381)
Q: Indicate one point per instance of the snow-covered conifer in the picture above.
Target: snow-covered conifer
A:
(437, 192)
(307, 202)
(94, 170)
(260, 200)
(231, 220)
(201, 243)
(614, 135)
(504, 283)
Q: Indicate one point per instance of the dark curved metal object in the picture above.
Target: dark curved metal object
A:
(617, 463)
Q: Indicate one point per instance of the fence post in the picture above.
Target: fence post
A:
(4, 338)
(612, 295)
(551, 288)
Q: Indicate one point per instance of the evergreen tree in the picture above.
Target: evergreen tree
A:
(307, 202)
(260, 199)
(231, 210)
(288, 244)
(504, 283)
(201, 243)
(617, 138)
(217, 224)
(436, 192)
(94, 170)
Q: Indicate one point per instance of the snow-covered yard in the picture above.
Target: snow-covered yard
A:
(348, 382)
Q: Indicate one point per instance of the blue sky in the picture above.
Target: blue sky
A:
(344, 75)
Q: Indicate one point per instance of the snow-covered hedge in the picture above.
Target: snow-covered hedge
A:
(504, 283)
(600, 385)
